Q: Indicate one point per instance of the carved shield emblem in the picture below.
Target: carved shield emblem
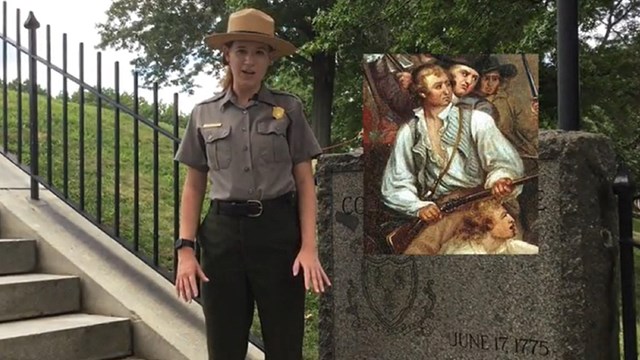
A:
(390, 287)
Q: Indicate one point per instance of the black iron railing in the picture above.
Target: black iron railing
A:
(70, 173)
(624, 187)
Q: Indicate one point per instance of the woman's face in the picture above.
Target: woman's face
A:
(504, 226)
(249, 62)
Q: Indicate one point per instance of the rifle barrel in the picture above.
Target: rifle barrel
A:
(453, 204)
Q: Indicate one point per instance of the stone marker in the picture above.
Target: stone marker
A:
(560, 304)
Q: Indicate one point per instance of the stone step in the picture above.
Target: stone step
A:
(17, 256)
(26, 296)
(74, 336)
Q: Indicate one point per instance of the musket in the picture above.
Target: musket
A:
(532, 84)
(404, 234)
(398, 66)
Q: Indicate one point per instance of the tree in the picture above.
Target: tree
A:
(26, 84)
(334, 35)
(168, 36)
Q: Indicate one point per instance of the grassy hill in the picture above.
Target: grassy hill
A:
(107, 193)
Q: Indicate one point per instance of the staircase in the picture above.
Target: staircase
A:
(41, 318)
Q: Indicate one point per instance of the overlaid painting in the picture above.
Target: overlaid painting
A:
(451, 154)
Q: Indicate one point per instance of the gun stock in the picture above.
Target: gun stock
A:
(400, 238)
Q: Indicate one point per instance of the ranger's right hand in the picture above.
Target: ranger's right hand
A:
(188, 274)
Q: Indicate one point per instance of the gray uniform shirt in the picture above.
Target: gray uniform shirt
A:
(249, 153)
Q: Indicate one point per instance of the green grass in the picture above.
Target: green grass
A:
(636, 225)
(165, 221)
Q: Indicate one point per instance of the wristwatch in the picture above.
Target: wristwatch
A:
(180, 243)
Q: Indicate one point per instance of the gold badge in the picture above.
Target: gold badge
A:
(277, 112)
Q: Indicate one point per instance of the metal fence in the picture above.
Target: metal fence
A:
(624, 187)
(83, 155)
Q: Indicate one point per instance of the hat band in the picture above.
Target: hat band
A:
(250, 32)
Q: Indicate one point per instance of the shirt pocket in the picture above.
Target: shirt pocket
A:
(274, 146)
(218, 144)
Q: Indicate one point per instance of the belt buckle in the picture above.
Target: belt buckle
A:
(259, 207)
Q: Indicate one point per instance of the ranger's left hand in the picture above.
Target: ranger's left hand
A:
(312, 270)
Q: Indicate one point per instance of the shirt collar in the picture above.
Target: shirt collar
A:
(229, 96)
(444, 114)
(264, 95)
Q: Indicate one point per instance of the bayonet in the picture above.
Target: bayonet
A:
(532, 83)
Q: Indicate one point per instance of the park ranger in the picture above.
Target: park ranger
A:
(258, 238)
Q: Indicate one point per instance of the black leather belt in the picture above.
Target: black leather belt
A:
(249, 208)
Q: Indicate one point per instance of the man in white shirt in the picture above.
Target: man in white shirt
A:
(444, 149)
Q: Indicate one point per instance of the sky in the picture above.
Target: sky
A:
(81, 27)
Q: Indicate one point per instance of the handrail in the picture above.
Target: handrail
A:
(91, 89)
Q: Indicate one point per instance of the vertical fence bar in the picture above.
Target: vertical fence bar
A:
(99, 139)
(5, 92)
(49, 120)
(81, 128)
(155, 175)
(116, 151)
(65, 121)
(176, 180)
(623, 187)
(32, 25)
(136, 166)
(568, 65)
(19, 87)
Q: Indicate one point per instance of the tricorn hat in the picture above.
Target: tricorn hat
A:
(251, 25)
(491, 63)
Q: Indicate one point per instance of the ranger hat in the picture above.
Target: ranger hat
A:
(251, 25)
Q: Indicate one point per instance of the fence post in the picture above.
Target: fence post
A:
(32, 25)
(623, 187)
(568, 65)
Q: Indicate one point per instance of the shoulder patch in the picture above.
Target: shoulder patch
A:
(214, 98)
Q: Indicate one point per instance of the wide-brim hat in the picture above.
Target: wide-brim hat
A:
(491, 63)
(251, 25)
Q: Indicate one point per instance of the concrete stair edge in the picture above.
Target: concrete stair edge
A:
(25, 296)
(72, 336)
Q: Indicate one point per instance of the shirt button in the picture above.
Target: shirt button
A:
(244, 129)
(245, 148)
(246, 169)
(244, 111)
(250, 191)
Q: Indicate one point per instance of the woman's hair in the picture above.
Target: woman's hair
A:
(227, 79)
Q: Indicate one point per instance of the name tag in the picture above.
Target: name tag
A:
(214, 125)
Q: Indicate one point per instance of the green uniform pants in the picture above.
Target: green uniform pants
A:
(250, 259)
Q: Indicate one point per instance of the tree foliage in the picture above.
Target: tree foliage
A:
(334, 35)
